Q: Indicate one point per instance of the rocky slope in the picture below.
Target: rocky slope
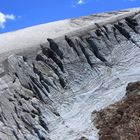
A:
(121, 121)
(48, 91)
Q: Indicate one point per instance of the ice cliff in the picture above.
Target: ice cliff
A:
(53, 76)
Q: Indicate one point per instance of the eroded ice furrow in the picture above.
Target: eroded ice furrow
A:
(76, 116)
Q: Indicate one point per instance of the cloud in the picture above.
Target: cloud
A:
(4, 18)
(78, 2)
(81, 2)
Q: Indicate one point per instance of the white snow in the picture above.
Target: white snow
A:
(19, 40)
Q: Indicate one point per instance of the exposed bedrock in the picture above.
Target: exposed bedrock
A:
(50, 92)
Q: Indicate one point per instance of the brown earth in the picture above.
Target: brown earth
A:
(121, 121)
(83, 138)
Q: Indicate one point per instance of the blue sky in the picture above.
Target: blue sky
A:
(17, 14)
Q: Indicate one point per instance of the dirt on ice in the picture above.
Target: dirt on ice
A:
(121, 121)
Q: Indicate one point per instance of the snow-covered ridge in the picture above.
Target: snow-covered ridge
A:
(22, 39)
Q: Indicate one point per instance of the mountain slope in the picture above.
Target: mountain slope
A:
(121, 120)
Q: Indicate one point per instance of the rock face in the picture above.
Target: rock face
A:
(122, 120)
(48, 92)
